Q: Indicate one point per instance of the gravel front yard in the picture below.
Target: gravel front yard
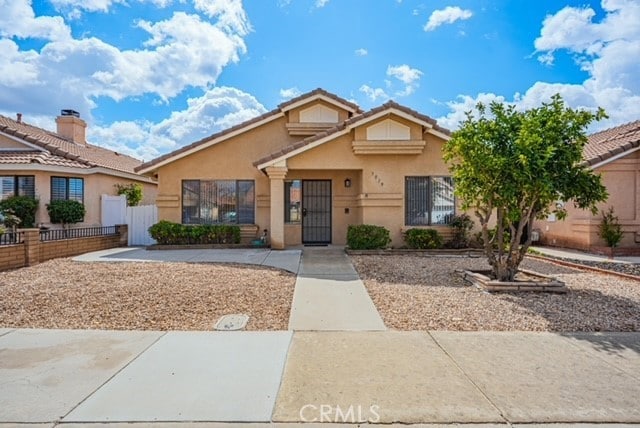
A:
(143, 296)
(423, 293)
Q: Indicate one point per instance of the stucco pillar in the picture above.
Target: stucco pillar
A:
(276, 231)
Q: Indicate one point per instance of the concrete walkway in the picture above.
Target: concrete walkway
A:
(329, 295)
(288, 260)
(87, 378)
(566, 253)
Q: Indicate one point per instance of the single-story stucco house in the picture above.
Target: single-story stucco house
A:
(308, 169)
(56, 165)
(615, 154)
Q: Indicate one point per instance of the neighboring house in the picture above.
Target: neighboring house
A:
(62, 165)
(614, 153)
(308, 169)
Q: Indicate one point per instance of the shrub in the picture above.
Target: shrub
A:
(461, 225)
(65, 212)
(133, 192)
(610, 229)
(169, 233)
(367, 237)
(24, 207)
(423, 239)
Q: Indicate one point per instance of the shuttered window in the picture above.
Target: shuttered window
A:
(428, 201)
(67, 188)
(218, 201)
(17, 185)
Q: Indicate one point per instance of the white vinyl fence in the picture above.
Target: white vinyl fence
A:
(139, 219)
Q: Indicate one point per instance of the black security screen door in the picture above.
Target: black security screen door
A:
(316, 211)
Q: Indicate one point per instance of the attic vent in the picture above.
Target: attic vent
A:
(69, 112)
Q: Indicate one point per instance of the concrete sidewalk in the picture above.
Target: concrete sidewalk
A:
(84, 378)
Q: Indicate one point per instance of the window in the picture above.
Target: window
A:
(218, 201)
(17, 185)
(428, 201)
(67, 188)
(292, 201)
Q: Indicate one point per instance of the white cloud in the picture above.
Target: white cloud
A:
(404, 73)
(217, 109)
(407, 75)
(448, 15)
(289, 93)
(181, 51)
(607, 50)
(18, 20)
(321, 3)
(374, 94)
(361, 52)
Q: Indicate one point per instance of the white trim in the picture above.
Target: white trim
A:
(21, 141)
(349, 128)
(439, 134)
(76, 171)
(613, 158)
(322, 97)
(212, 142)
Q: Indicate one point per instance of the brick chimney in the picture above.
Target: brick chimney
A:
(71, 126)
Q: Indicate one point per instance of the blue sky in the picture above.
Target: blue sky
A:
(150, 76)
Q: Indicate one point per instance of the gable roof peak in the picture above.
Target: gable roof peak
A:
(319, 92)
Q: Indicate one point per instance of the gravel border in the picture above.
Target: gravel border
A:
(424, 293)
(62, 293)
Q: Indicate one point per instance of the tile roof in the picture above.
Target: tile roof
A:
(61, 148)
(605, 144)
(24, 157)
(343, 125)
(320, 91)
(206, 139)
(249, 122)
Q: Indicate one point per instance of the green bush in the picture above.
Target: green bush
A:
(610, 229)
(24, 207)
(423, 239)
(367, 237)
(133, 192)
(66, 211)
(169, 233)
(461, 226)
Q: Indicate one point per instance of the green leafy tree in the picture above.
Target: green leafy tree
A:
(24, 207)
(133, 193)
(65, 212)
(515, 165)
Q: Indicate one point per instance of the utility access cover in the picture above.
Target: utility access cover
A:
(232, 322)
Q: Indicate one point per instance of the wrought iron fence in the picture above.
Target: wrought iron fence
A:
(80, 232)
(12, 238)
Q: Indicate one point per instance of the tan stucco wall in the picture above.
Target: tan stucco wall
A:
(95, 185)
(579, 229)
(231, 159)
(9, 143)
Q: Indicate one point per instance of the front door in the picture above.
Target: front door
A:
(316, 211)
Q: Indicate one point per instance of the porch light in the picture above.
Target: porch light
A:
(347, 182)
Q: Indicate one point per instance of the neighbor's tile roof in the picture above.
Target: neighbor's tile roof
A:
(60, 148)
(23, 157)
(605, 144)
(341, 126)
